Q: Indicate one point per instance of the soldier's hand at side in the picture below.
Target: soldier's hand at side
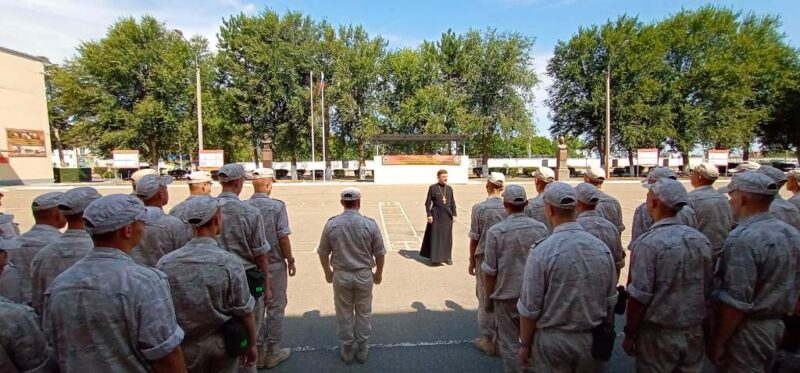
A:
(524, 356)
(268, 298)
(629, 346)
(377, 278)
(250, 356)
(292, 269)
(472, 267)
(430, 219)
(329, 277)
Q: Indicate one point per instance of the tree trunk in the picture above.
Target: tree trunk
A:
(746, 152)
(485, 155)
(361, 156)
(797, 154)
(154, 154)
(293, 168)
(255, 156)
(60, 148)
(631, 166)
(327, 128)
(191, 159)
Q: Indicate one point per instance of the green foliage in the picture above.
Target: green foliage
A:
(705, 76)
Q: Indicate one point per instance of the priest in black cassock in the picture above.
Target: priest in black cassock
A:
(437, 245)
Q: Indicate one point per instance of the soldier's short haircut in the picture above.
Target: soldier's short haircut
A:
(440, 172)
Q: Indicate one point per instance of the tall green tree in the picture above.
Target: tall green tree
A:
(132, 88)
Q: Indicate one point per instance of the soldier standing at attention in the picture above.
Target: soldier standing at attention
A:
(607, 206)
(243, 234)
(757, 281)
(642, 221)
(781, 208)
(199, 183)
(46, 230)
(484, 215)
(507, 245)
(66, 250)
(209, 290)
(281, 267)
(163, 233)
(535, 209)
(8, 229)
(596, 225)
(793, 185)
(23, 346)
(107, 313)
(670, 277)
(139, 174)
(568, 290)
(350, 246)
(711, 209)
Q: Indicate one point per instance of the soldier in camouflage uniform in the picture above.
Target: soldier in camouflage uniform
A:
(607, 206)
(8, 229)
(758, 279)
(484, 215)
(671, 271)
(163, 233)
(535, 209)
(71, 247)
(199, 183)
(507, 245)
(597, 225)
(107, 313)
(350, 246)
(10, 275)
(209, 287)
(711, 209)
(46, 230)
(793, 185)
(281, 267)
(642, 221)
(568, 289)
(781, 208)
(23, 347)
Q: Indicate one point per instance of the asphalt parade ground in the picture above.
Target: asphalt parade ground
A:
(424, 318)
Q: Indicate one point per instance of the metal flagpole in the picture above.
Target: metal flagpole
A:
(324, 143)
(313, 155)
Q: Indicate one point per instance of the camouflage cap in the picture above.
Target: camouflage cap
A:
(560, 195)
(112, 212)
(669, 192)
(46, 201)
(587, 193)
(75, 200)
(515, 195)
(751, 182)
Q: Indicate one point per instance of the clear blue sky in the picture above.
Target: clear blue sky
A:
(407, 22)
(53, 28)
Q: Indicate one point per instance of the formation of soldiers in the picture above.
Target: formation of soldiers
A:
(712, 273)
(128, 287)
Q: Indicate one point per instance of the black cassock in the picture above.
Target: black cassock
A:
(437, 245)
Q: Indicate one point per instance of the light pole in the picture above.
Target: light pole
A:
(198, 94)
(607, 150)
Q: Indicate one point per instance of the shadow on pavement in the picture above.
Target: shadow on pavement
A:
(419, 340)
(414, 255)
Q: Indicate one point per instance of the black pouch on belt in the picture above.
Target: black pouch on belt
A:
(235, 334)
(603, 337)
(255, 281)
(622, 300)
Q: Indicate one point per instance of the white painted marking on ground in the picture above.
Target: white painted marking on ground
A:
(388, 242)
(389, 345)
(408, 221)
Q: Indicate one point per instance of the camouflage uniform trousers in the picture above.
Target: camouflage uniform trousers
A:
(563, 351)
(271, 330)
(486, 322)
(208, 355)
(352, 295)
(507, 321)
(258, 311)
(754, 347)
(670, 350)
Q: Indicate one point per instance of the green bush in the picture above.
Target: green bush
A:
(338, 174)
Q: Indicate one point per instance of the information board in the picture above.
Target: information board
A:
(211, 159)
(126, 159)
